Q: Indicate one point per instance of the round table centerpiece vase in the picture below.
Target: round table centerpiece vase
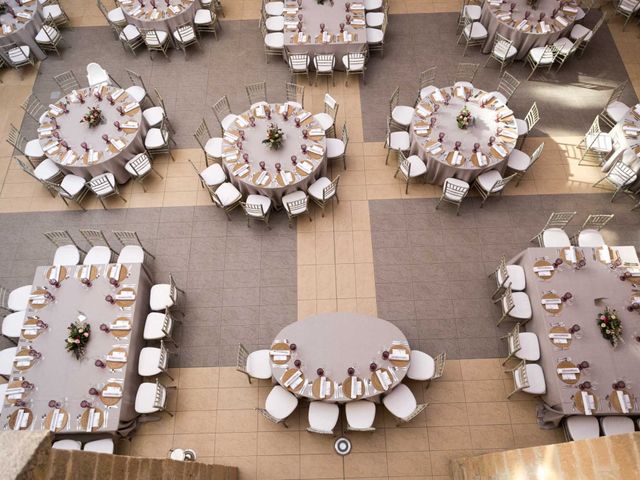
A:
(610, 326)
(275, 137)
(93, 117)
(3, 8)
(78, 338)
(464, 118)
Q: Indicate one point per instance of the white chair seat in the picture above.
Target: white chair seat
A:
(522, 127)
(280, 403)
(140, 169)
(536, 55)
(67, 255)
(521, 306)
(323, 416)
(580, 14)
(47, 34)
(130, 33)
(399, 141)
(72, 185)
(488, 179)
(324, 119)
(617, 110)
(156, 138)
(563, 44)
(628, 254)
(228, 194)
(104, 445)
(422, 367)
(335, 147)
(275, 24)
(517, 280)
(372, 4)
(160, 38)
(131, 254)
(599, 142)
(98, 255)
(265, 202)
(529, 347)
(355, 64)
(67, 444)
(259, 364)
(374, 19)
(324, 66)
(6, 360)
(616, 425)
(402, 115)
(579, 31)
(463, 84)
(555, 237)
(400, 402)
(619, 181)
(426, 91)
(274, 9)
(228, 120)
(274, 40)
(454, 195)
(138, 93)
(184, 34)
(360, 414)
(294, 197)
(34, 150)
(472, 12)
(590, 238)
(418, 167)
(294, 105)
(374, 35)
(146, 398)
(12, 324)
(518, 160)
(160, 297)
(501, 51)
(316, 189)
(582, 427)
(535, 376)
(475, 31)
(153, 116)
(106, 187)
(46, 170)
(203, 17)
(149, 362)
(19, 55)
(19, 297)
(629, 6)
(213, 175)
(153, 326)
(116, 16)
(54, 11)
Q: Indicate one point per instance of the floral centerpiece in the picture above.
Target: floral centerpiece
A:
(93, 117)
(464, 118)
(275, 137)
(79, 334)
(3, 8)
(610, 326)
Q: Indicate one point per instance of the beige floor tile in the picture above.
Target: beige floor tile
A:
(328, 305)
(164, 426)
(367, 306)
(195, 422)
(237, 421)
(306, 308)
(348, 305)
(365, 280)
(408, 464)
(444, 392)
(523, 411)
(491, 436)
(311, 444)
(407, 439)
(151, 445)
(229, 377)
(489, 413)
(236, 444)
(307, 282)
(279, 467)
(362, 246)
(284, 442)
(346, 281)
(324, 248)
(237, 398)
(247, 464)
(344, 247)
(484, 391)
(450, 437)
(199, 377)
(443, 414)
(321, 466)
(197, 399)
(326, 282)
(481, 369)
(358, 465)
(203, 443)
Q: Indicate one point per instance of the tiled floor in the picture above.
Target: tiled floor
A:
(334, 255)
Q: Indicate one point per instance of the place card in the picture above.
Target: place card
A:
(306, 167)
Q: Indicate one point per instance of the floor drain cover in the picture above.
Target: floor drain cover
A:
(342, 446)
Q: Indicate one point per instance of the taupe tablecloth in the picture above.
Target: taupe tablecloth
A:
(23, 33)
(607, 365)
(438, 168)
(58, 375)
(337, 341)
(166, 20)
(257, 151)
(525, 41)
(74, 133)
(331, 15)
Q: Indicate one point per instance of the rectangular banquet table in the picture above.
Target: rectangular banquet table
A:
(607, 364)
(58, 375)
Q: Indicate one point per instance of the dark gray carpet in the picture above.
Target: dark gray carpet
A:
(189, 87)
(431, 267)
(568, 101)
(240, 282)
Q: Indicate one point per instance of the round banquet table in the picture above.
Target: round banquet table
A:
(22, 29)
(532, 33)
(439, 158)
(241, 158)
(163, 17)
(335, 342)
(101, 157)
